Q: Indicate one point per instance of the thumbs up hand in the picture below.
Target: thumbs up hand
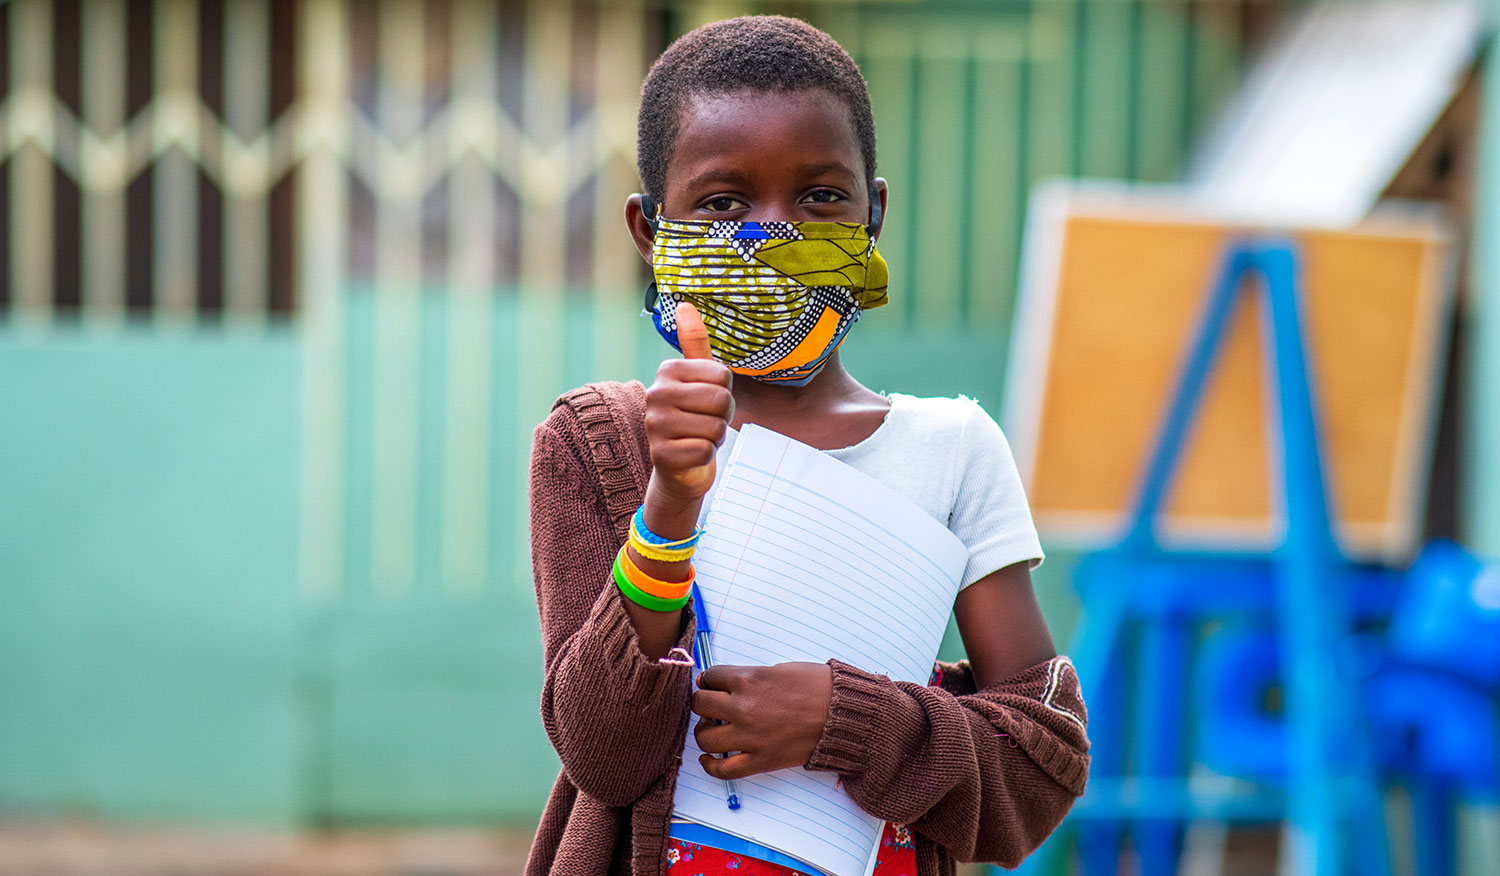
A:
(692, 336)
(688, 409)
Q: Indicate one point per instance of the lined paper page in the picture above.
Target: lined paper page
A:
(804, 558)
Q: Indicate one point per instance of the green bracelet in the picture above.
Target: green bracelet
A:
(641, 597)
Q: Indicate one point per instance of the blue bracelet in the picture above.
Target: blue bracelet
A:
(652, 538)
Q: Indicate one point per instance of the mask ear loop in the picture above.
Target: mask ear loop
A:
(649, 209)
(875, 219)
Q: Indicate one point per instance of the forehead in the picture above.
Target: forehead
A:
(763, 130)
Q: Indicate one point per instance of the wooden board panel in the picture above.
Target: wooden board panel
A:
(1112, 294)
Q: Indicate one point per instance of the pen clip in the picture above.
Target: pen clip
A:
(700, 619)
(700, 611)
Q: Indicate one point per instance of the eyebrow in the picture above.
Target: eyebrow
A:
(717, 175)
(826, 167)
(733, 176)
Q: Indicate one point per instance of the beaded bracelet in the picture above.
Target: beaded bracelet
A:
(634, 584)
(657, 552)
(638, 527)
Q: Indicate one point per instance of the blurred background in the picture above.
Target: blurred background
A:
(286, 284)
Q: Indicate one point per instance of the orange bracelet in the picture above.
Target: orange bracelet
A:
(654, 586)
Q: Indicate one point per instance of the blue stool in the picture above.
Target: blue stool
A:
(1448, 616)
(1430, 695)
(1435, 699)
(1237, 670)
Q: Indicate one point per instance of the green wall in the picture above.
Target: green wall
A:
(149, 625)
(1482, 491)
(158, 655)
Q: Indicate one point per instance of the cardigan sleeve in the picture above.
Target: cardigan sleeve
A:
(985, 774)
(612, 713)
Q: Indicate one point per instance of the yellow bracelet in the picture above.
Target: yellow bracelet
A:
(655, 586)
(654, 548)
(657, 552)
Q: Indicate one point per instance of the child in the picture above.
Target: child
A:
(757, 157)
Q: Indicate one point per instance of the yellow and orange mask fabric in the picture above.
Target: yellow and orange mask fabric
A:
(777, 298)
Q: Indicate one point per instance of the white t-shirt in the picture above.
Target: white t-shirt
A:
(950, 459)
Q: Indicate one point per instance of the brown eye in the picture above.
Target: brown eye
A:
(825, 196)
(724, 204)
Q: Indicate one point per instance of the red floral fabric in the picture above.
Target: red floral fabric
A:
(897, 857)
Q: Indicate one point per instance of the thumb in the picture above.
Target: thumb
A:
(692, 336)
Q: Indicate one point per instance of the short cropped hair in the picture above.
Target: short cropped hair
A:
(756, 52)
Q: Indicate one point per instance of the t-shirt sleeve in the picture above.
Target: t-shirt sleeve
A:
(990, 513)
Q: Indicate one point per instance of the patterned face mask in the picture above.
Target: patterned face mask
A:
(777, 298)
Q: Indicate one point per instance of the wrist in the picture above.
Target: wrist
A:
(669, 516)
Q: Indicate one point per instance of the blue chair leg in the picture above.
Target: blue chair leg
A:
(1157, 732)
(1099, 841)
(1432, 810)
(1372, 852)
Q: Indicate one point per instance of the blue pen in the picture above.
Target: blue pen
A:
(706, 659)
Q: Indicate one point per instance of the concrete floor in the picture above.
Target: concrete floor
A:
(81, 848)
(84, 849)
(76, 848)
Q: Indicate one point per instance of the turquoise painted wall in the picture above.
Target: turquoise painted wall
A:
(158, 657)
(149, 627)
(1482, 491)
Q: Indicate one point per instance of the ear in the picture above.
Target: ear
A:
(640, 229)
(877, 206)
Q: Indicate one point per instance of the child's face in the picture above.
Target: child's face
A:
(764, 156)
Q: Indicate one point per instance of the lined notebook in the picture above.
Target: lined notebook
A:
(804, 558)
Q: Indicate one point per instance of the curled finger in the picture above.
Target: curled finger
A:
(683, 424)
(735, 766)
(677, 454)
(712, 704)
(716, 738)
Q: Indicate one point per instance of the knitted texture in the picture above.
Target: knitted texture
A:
(980, 776)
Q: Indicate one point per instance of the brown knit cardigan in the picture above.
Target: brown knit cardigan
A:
(978, 775)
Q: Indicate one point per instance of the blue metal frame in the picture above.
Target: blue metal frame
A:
(1304, 584)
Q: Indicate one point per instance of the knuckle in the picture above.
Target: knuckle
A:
(706, 371)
